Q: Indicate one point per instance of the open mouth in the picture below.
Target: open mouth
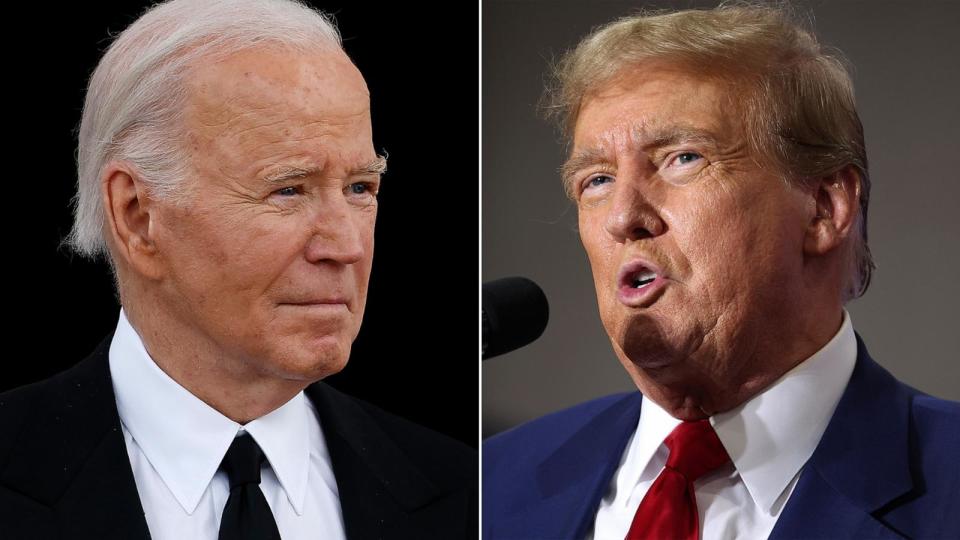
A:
(640, 283)
(642, 278)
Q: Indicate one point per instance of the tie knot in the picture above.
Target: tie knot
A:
(242, 462)
(695, 449)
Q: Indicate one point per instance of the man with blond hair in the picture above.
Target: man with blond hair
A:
(226, 170)
(718, 166)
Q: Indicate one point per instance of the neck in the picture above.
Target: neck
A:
(238, 388)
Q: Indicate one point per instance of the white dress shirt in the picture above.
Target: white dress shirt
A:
(768, 438)
(176, 442)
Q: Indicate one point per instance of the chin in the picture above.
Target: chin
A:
(650, 362)
(638, 335)
(313, 361)
(647, 344)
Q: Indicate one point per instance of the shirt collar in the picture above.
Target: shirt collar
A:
(783, 424)
(184, 439)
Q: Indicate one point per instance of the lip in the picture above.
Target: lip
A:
(646, 295)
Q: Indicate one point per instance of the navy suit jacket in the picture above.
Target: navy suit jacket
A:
(887, 466)
(65, 473)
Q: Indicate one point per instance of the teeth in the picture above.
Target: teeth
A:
(643, 278)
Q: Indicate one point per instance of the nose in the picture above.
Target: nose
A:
(631, 214)
(339, 229)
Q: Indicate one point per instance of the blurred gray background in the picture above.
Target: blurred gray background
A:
(907, 78)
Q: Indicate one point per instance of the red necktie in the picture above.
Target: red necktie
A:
(669, 509)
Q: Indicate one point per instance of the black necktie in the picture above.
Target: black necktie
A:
(246, 515)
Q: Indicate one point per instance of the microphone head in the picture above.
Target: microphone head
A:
(515, 313)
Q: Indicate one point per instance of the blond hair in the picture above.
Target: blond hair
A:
(796, 96)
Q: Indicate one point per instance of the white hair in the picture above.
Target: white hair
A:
(136, 96)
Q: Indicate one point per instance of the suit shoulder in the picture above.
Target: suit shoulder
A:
(525, 464)
(543, 435)
(14, 403)
(419, 439)
(89, 376)
(16, 407)
(937, 426)
(432, 451)
(53, 424)
(936, 409)
(931, 508)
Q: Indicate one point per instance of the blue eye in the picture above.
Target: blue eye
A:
(595, 183)
(599, 180)
(684, 158)
(361, 193)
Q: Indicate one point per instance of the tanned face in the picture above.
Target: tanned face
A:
(696, 248)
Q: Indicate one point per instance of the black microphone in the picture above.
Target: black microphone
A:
(514, 313)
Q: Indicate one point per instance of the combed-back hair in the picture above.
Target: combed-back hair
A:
(795, 95)
(133, 111)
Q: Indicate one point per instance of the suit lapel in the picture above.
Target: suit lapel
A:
(379, 487)
(817, 510)
(574, 478)
(73, 459)
(861, 465)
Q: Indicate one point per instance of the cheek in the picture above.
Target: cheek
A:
(365, 224)
(246, 258)
(368, 225)
(193, 247)
(715, 244)
(602, 253)
(737, 242)
(597, 244)
(255, 251)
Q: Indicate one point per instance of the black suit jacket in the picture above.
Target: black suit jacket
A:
(65, 473)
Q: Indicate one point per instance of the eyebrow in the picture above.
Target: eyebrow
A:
(648, 137)
(578, 161)
(376, 167)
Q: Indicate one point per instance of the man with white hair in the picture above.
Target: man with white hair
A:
(227, 172)
(718, 167)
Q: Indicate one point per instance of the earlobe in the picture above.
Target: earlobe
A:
(129, 218)
(837, 203)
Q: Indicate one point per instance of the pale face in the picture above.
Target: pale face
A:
(269, 262)
(696, 250)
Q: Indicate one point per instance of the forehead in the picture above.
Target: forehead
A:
(641, 104)
(239, 91)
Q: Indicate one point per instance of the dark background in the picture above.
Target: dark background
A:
(907, 80)
(416, 355)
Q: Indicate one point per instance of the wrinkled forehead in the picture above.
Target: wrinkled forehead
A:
(243, 86)
(654, 105)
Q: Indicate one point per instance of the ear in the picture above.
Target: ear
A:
(837, 199)
(130, 216)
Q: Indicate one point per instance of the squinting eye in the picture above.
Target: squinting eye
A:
(361, 188)
(287, 191)
(599, 180)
